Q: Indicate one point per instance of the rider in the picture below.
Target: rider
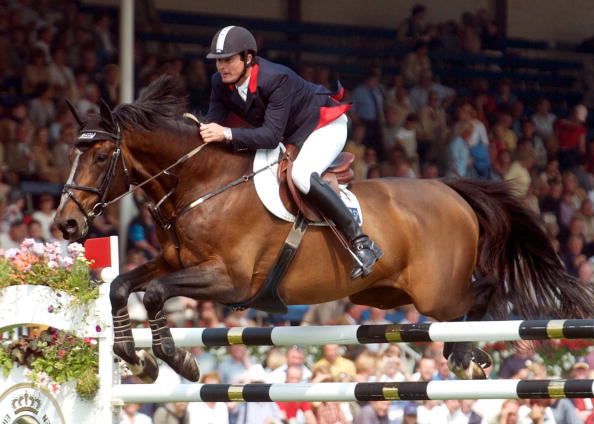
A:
(281, 106)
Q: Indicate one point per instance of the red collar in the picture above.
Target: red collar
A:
(253, 84)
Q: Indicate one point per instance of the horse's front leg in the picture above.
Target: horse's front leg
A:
(141, 363)
(208, 281)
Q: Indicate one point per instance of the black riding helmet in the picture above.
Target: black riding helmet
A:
(232, 40)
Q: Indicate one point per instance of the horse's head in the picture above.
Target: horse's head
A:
(98, 173)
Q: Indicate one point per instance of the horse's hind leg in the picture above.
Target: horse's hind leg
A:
(465, 359)
(141, 363)
(203, 282)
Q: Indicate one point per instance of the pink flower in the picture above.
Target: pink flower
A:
(11, 253)
(76, 249)
(52, 264)
(67, 261)
(61, 354)
(38, 249)
(98, 329)
(27, 243)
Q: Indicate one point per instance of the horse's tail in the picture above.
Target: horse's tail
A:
(517, 252)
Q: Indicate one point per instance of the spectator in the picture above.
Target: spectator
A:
(519, 171)
(41, 109)
(390, 128)
(571, 136)
(257, 412)
(45, 36)
(208, 412)
(61, 150)
(564, 411)
(130, 415)
(433, 130)
(110, 85)
(460, 162)
(519, 361)
(34, 231)
(443, 371)
(62, 77)
(375, 412)
(406, 137)
(142, 233)
(573, 255)
(172, 413)
(17, 232)
(290, 410)
(90, 100)
(35, 72)
(360, 167)
(425, 369)
(412, 28)
(401, 107)
(416, 63)
(368, 109)
(236, 364)
(20, 152)
(508, 413)
(409, 413)
(14, 210)
(478, 143)
(351, 316)
(355, 143)
(540, 151)
(419, 94)
(295, 357)
(45, 169)
(104, 37)
(335, 362)
(543, 119)
(504, 95)
(391, 93)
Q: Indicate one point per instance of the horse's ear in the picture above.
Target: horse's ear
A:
(106, 114)
(74, 113)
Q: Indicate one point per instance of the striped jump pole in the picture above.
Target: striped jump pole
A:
(347, 392)
(476, 331)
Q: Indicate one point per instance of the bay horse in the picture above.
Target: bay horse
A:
(437, 236)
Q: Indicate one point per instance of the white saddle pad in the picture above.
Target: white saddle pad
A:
(267, 187)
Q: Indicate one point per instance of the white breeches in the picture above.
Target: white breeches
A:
(319, 151)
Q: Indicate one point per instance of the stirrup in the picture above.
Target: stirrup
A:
(366, 253)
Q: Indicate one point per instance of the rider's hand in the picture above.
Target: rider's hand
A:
(212, 132)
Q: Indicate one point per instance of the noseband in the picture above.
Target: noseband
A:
(102, 189)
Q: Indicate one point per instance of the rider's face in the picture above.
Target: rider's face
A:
(231, 68)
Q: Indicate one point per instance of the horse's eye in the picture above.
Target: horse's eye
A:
(100, 158)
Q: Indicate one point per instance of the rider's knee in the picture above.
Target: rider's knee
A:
(301, 177)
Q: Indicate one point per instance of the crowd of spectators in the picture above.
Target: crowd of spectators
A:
(405, 125)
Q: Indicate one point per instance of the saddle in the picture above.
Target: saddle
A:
(339, 172)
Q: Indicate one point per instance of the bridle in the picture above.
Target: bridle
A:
(103, 187)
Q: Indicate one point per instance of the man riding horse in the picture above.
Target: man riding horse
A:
(280, 105)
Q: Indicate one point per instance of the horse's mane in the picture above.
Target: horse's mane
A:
(161, 103)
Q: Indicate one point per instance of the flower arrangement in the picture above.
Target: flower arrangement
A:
(55, 357)
(52, 357)
(43, 264)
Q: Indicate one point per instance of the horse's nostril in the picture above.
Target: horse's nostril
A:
(71, 225)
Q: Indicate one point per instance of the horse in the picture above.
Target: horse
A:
(455, 249)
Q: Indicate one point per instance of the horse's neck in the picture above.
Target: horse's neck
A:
(211, 168)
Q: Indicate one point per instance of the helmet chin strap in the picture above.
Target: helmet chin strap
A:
(245, 68)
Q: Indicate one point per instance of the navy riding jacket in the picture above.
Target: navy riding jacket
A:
(280, 106)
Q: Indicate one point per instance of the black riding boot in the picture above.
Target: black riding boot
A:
(329, 203)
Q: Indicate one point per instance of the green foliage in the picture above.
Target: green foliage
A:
(58, 355)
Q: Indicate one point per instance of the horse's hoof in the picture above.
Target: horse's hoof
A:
(482, 358)
(147, 369)
(189, 368)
